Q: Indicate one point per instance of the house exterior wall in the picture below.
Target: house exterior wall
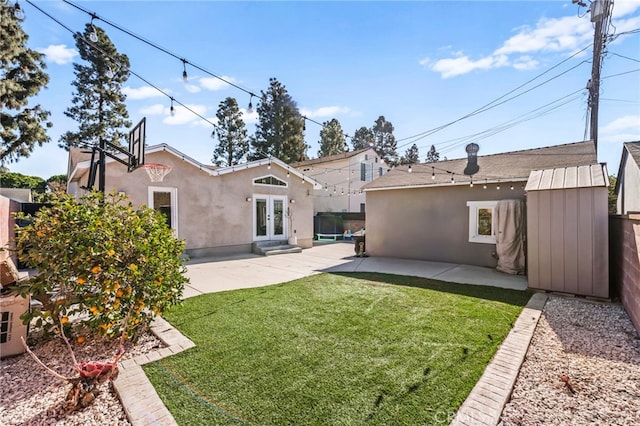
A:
(431, 223)
(214, 217)
(7, 227)
(343, 181)
(629, 196)
(567, 241)
(625, 263)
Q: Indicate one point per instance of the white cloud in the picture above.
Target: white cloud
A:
(192, 88)
(625, 7)
(249, 118)
(324, 112)
(58, 53)
(628, 124)
(184, 116)
(566, 34)
(213, 83)
(156, 109)
(524, 63)
(144, 92)
(452, 67)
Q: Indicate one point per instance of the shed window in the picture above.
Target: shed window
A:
(365, 172)
(481, 221)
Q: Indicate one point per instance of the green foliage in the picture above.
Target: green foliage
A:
(362, 138)
(18, 180)
(233, 145)
(22, 75)
(433, 156)
(101, 259)
(384, 141)
(613, 197)
(411, 156)
(280, 129)
(332, 139)
(98, 102)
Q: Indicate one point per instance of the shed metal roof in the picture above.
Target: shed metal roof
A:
(593, 175)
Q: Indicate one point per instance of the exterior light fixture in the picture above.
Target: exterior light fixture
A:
(248, 199)
(292, 201)
(472, 159)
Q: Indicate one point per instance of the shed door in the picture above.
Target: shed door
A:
(269, 217)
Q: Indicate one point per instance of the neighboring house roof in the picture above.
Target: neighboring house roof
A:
(629, 149)
(79, 167)
(329, 158)
(508, 166)
(568, 177)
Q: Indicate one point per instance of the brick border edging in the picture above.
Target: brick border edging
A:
(140, 400)
(488, 397)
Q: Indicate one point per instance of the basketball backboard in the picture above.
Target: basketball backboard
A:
(137, 144)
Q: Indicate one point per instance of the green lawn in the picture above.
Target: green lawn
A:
(333, 349)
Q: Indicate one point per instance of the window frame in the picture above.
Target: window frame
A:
(286, 184)
(474, 208)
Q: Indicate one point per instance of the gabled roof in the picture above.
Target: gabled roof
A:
(209, 169)
(568, 177)
(509, 166)
(629, 149)
(329, 158)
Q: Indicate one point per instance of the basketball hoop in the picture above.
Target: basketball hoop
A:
(156, 172)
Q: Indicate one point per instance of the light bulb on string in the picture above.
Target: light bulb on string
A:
(18, 12)
(471, 183)
(410, 169)
(288, 172)
(511, 187)
(93, 35)
(172, 110)
(498, 186)
(110, 74)
(452, 179)
(433, 173)
(269, 165)
(185, 76)
(485, 184)
(250, 107)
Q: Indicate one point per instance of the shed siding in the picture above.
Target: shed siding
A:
(567, 241)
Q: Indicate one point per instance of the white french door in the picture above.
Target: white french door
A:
(269, 217)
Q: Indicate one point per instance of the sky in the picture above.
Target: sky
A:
(423, 65)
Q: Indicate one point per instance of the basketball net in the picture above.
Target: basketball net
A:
(156, 172)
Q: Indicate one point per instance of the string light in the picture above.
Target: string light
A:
(185, 77)
(485, 184)
(471, 183)
(172, 110)
(498, 186)
(452, 179)
(288, 172)
(512, 187)
(93, 35)
(250, 107)
(433, 173)
(269, 165)
(17, 11)
(410, 169)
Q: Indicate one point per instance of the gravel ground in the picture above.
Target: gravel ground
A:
(31, 396)
(582, 368)
(594, 345)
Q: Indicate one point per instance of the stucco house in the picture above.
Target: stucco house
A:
(217, 211)
(435, 212)
(342, 177)
(628, 182)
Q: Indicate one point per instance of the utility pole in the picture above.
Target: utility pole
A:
(600, 10)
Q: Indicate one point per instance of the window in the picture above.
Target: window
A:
(481, 223)
(165, 201)
(380, 172)
(269, 180)
(362, 208)
(365, 172)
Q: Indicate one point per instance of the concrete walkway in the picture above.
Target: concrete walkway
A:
(248, 270)
(485, 402)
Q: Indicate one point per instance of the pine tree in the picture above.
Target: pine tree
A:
(233, 145)
(280, 128)
(332, 139)
(362, 138)
(433, 155)
(98, 102)
(385, 142)
(22, 75)
(411, 155)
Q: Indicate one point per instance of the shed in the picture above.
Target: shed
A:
(567, 230)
